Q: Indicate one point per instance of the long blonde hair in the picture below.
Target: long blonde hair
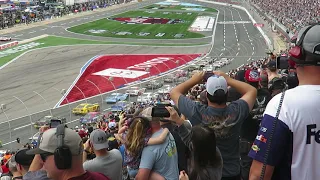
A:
(135, 139)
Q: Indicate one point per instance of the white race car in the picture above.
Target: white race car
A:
(165, 89)
(147, 97)
(135, 91)
(3, 38)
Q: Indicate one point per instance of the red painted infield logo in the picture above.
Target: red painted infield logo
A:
(123, 69)
(147, 20)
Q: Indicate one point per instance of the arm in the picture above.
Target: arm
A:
(185, 135)
(143, 174)
(255, 171)
(184, 87)
(36, 163)
(248, 92)
(160, 139)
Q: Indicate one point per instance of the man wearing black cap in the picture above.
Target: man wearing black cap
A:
(288, 146)
(275, 82)
(23, 162)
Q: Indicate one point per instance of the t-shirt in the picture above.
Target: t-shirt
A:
(294, 150)
(110, 165)
(226, 123)
(161, 158)
(91, 176)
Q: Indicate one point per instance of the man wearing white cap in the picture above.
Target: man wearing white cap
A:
(61, 151)
(107, 162)
(225, 119)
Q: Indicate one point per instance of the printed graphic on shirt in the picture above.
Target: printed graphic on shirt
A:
(255, 148)
(171, 147)
(263, 129)
(261, 138)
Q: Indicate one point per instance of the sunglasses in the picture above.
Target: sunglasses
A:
(44, 156)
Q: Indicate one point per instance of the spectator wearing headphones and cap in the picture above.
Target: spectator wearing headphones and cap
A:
(225, 119)
(289, 145)
(106, 162)
(61, 151)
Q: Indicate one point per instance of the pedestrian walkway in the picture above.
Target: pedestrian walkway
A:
(66, 17)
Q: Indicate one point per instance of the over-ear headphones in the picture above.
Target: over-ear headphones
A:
(62, 155)
(297, 54)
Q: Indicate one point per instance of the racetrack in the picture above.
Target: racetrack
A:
(52, 69)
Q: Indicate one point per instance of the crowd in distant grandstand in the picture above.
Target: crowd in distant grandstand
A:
(16, 14)
(294, 14)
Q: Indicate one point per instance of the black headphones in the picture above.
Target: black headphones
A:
(297, 54)
(62, 155)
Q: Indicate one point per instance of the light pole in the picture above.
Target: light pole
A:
(148, 70)
(63, 93)
(110, 79)
(27, 112)
(44, 101)
(98, 90)
(85, 98)
(3, 107)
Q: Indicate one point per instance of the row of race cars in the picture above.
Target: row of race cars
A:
(152, 92)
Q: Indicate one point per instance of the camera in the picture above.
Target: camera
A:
(54, 123)
(282, 62)
(160, 110)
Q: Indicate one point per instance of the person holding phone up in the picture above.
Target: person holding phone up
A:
(226, 120)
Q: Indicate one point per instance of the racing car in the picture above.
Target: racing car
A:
(147, 97)
(46, 121)
(90, 118)
(84, 108)
(119, 106)
(165, 89)
(3, 38)
(135, 91)
(115, 97)
(154, 85)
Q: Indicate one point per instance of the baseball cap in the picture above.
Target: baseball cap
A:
(272, 65)
(99, 140)
(147, 114)
(311, 41)
(22, 158)
(215, 83)
(112, 125)
(252, 76)
(49, 142)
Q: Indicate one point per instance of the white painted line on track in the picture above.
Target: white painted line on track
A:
(31, 32)
(252, 53)
(22, 126)
(221, 54)
(43, 29)
(72, 121)
(237, 53)
(18, 35)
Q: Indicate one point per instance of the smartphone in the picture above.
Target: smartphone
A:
(207, 75)
(160, 110)
(54, 123)
(282, 62)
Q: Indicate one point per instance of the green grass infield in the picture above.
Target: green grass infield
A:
(174, 25)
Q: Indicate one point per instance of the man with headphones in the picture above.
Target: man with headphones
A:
(288, 143)
(61, 151)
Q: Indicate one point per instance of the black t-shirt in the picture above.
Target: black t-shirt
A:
(251, 125)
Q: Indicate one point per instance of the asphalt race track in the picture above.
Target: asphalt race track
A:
(48, 71)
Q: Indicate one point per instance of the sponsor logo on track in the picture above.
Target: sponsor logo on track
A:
(146, 20)
(19, 49)
(98, 31)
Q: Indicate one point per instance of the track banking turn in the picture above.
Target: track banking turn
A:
(48, 71)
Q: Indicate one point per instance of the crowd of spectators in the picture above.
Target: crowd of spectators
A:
(294, 14)
(207, 130)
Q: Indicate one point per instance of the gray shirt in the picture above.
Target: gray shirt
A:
(226, 123)
(161, 158)
(109, 165)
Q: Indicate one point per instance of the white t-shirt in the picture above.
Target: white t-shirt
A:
(295, 146)
(110, 165)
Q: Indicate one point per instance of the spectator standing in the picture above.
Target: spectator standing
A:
(206, 161)
(275, 82)
(160, 158)
(16, 175)
(225, 119)
(60, 151)
(106, 162)
(293, 152)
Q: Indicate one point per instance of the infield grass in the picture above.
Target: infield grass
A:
(170, 30)
(51, 41)
(183, 8)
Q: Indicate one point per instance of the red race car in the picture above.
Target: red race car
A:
(3, 38)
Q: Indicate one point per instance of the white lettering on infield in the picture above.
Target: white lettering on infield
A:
(202, 23)
(234, 22)
(122, 73)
